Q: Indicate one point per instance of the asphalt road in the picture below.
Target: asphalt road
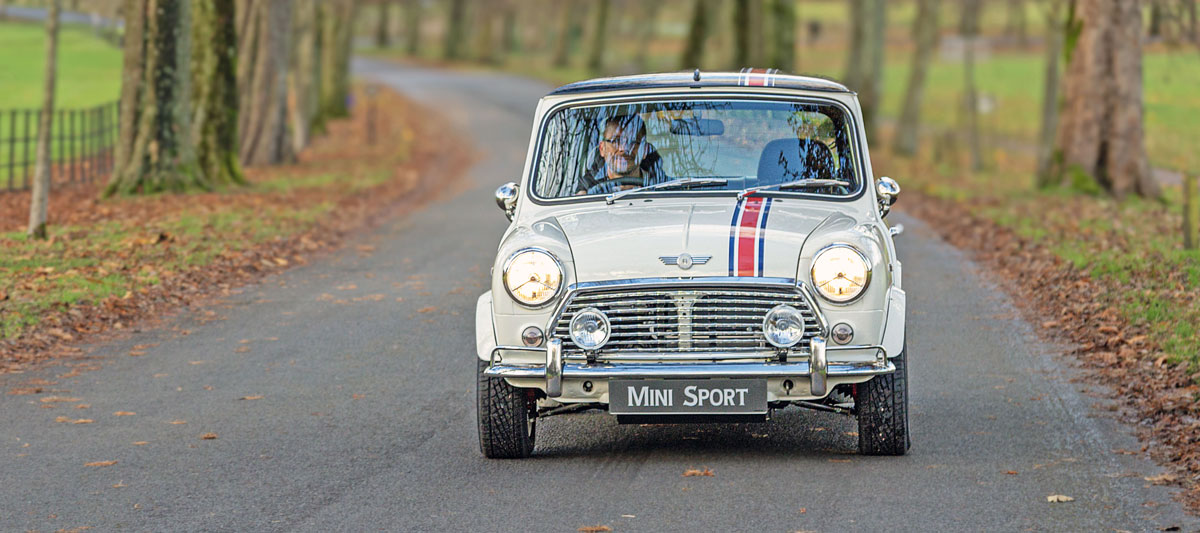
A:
(365, 367)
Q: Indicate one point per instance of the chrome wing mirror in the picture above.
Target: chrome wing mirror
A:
(887, 190)
(506, 198)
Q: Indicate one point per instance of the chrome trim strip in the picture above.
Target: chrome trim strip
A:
(820, 367)
(689, 370)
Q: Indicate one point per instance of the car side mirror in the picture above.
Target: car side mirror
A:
(506, 199)
(887, 190)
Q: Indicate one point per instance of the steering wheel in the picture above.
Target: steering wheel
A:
(613, 184)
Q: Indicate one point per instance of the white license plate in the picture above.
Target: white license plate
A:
(687, 396)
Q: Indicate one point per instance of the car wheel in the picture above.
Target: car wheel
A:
(507, 417)
(882, 405)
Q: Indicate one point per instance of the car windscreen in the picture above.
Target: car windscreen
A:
(723, 145)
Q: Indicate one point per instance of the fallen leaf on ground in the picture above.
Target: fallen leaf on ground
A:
(628, 516)
(196, 362)
(100, 463)
(83, 421)
(1059, 498)
(839, 460)
(358, 396)
(141, 443)
(427, 309)
(347, 287)
(83, 406)
(124, 413)
(208, 436)
(161, 375)
(1161, 479)
(178, 422)
(692, 472)
(594, 529)
(137, 353)
(62, 419)
(255, 397)
(1011, 472)
(242, 349)
(53, 399)
(26, 390)
(120, 484)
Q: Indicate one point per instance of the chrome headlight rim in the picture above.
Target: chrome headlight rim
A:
(603, 319)
(767, 321)
(557, 291)
(861, 256)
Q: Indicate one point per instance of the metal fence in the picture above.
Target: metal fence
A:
(81, 145)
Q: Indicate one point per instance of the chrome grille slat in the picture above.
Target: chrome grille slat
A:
(657, 323)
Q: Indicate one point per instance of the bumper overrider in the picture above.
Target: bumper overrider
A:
(816, 367)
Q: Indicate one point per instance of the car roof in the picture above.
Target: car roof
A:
(698, 79)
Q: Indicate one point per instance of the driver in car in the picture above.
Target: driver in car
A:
(627, 160)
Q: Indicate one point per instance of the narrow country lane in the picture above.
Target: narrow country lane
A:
(362, 363)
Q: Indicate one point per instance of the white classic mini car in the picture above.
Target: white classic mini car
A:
(694, 247)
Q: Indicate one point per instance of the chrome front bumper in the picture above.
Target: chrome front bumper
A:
(817, 368)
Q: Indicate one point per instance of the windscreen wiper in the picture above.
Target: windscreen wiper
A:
(677, 183)
(797, 184)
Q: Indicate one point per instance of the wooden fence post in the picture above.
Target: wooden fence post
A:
(1191, 212)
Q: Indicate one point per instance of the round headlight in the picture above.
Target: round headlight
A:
(840, 273)
(589, 329)
(532, 277)
(784, 326)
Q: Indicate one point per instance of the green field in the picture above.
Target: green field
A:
(89, 74)
(89, 68)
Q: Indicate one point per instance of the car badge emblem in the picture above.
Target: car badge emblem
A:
(684, 260)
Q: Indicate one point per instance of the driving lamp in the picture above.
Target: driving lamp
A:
(783, 326)
(589, 329)
(840, 273)
(532, 277)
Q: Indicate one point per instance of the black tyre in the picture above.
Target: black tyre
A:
(506, 417)
(882, 405)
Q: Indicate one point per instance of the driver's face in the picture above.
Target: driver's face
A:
(620, 147)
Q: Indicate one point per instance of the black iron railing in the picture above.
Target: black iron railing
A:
(81, 145)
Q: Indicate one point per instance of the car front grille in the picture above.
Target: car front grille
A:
(684, 321)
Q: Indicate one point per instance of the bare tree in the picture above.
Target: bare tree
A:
(215, 96)
(412, 26)
(1055, 29)
(567, 31)
(925, 33)
(264, 28)
(304, 73)
(647, 28)
(969, 29)
(857, 18)
(747, 31)
(595, 60)
(1015, 25)
(40, 199)
(337, 31)
(383, 34)
(456, 29)
(1102, 133)
(783, 34)
(693, 51)
(153, 152)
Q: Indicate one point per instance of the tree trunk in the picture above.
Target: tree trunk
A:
(215, 102)
(509, 24)
(925, 33)
(970, 33)
(595, 62)
(412, 26)
(303, 74)
(742, 34)
(566, 32)
(40, 199)
(857, 42)
(262, 82)
(1156, 18)
(647, 32)
(485, 39)
(337, 32)
(783, 33)
(870, 90)
(693, 51)
(383, 37)
(1102, 131)
(1015, 26)
(154, 152)
(1055, 32)
(455, 29)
